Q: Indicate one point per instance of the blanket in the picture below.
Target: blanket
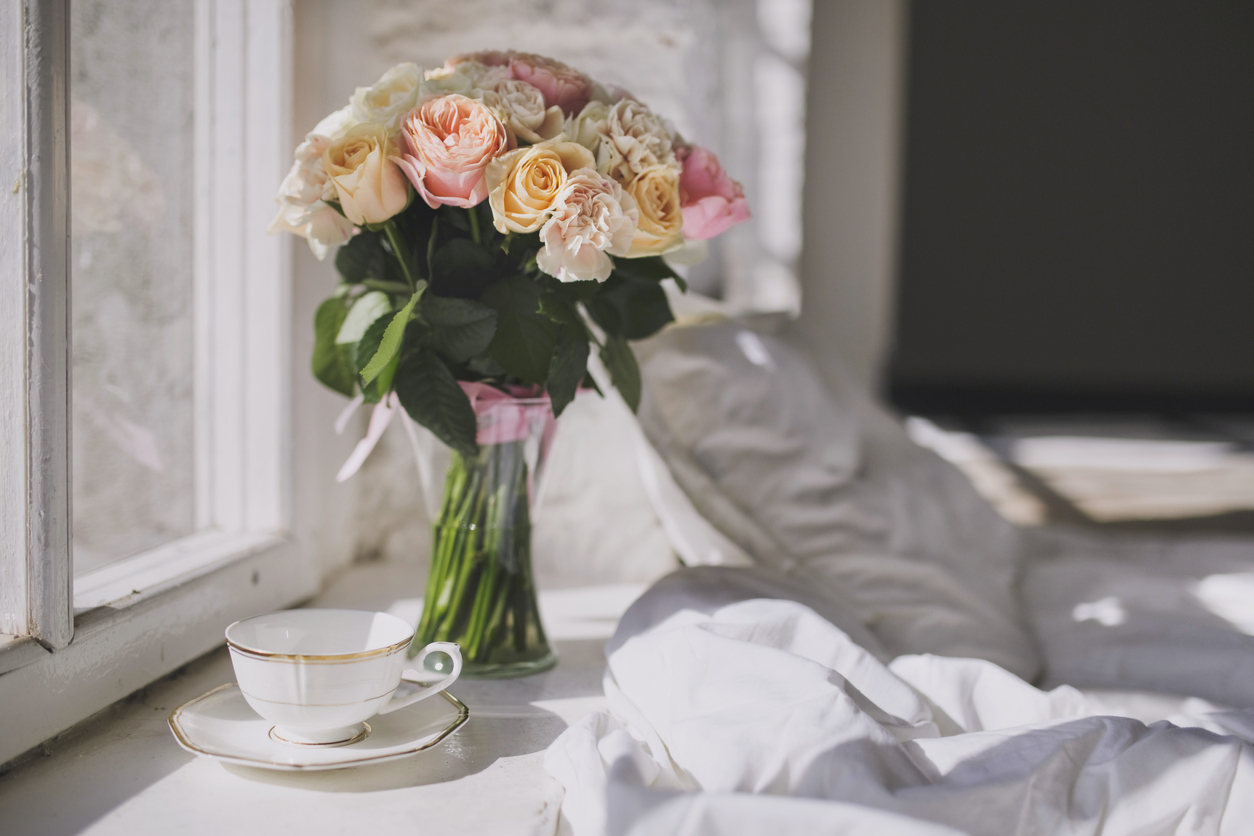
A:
(731, 713)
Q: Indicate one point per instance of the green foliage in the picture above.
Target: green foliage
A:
(433, 398)
(368, 307)
(365, 350)
(462, 268)
(630, 308)
(568, 367)
(624, 371)
(333, 362)
(525, 338)
(652, 269)
(364, 258)
(460, 328)
(485, 312)
(390, 342)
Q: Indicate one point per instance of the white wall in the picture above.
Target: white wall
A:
(850, 210)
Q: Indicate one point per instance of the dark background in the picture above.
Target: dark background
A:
(1078, 228)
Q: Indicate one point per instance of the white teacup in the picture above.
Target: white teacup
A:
(318, 675)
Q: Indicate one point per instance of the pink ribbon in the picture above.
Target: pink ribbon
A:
(501, 416)
(509, 416)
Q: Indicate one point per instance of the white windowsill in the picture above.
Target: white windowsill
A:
(123, 773)
(140, 619)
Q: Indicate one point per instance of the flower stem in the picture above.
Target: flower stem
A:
(400, 251)
(474, 225)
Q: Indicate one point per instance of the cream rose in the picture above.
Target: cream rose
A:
(661, 221)
(521, 107)
(369, 186)
(591, 217)
(390, 98)
(588, 125)
(466, 78)
(524, 184)
(632, 139)
(446, 143)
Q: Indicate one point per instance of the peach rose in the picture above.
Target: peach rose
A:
(711, 201)
(446, 144)
(369, 186)
(660, 226)
(591, 217)
(524, 184)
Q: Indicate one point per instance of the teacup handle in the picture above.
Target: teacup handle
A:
(454, 652)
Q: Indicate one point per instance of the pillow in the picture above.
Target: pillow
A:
(709, 588)
(822, 483)
(1171, 616)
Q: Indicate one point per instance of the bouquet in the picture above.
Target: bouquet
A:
(497, 219)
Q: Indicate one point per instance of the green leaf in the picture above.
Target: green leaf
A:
(460, 328)
(652, 268)
(568, 367)
(365, 257)
(624, 371)
(390, 343)
(462, 268)
(631, 308)
(368, 307)
(432, 397)
(525, 338)
(364, 351)
(332, 363)
(559, 309)
(378, 389)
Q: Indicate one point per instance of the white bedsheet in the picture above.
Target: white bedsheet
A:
(759, 716)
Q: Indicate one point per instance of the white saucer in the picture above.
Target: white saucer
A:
(221, 725)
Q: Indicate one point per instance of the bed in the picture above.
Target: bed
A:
(876, 650)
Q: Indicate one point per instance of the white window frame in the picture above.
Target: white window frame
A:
(70, 648)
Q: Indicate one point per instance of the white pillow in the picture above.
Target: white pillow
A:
(825, 483)
(1172, 616)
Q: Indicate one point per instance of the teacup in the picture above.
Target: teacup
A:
(318, 675)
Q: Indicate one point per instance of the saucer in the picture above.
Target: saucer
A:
(222, 726)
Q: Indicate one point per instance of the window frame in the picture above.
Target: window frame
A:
(71, 648)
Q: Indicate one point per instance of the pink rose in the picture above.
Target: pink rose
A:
(561, 84)
(711, 201)
(487, 57)
(446, 143)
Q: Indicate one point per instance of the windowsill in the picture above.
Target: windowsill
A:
(138, 622)
(122, 772)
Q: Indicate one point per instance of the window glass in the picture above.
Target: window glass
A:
(131, 141)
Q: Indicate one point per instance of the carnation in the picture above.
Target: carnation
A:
(631, 139)
(592, 218)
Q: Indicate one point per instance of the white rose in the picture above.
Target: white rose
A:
(318, 223)
(633, 139)
(302, 210)
(588, 125)
(521, 108)
(336, 124)
(592, 217)
(390, 98)
(469, 79)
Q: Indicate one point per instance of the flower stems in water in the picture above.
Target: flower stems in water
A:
(481, 591)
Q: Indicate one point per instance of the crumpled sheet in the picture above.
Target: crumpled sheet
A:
(760, 716)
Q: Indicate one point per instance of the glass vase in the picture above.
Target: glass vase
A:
(481, 591)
